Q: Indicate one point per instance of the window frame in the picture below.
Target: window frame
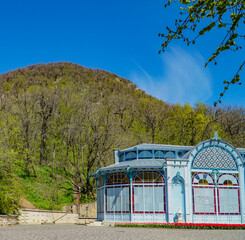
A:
(216, 192)
(203, 186)
(233, 186)
(114, 185)
(148, 184)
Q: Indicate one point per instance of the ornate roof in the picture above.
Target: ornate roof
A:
(146, 146)
(149, 164)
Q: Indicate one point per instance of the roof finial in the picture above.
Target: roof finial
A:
(216, 136)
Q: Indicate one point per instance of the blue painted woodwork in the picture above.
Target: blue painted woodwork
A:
(151, 182)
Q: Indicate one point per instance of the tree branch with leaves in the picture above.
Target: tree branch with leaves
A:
(198, 17)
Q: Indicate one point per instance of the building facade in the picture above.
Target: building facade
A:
(153, 182)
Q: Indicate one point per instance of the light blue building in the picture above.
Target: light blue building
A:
(152, 182)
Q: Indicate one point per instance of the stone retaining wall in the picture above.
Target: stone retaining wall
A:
(88, 210)
(88, 213)
(6, 220)
(34, 216)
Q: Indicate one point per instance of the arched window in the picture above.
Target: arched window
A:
(117, 178)
(214, 157)
(130, 155)
(148, 193)
(228, 194)
(145, 154)
(159, 154)
(215, 189)
(117, 193)
(203, 192)
(170, 155)
(148, 177)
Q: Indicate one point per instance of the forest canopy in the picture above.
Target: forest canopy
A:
(59, 122)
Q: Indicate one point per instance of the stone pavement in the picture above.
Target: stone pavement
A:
(80, 232)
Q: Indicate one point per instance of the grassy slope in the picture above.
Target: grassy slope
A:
(46, 191)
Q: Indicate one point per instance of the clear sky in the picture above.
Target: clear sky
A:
(120, 37)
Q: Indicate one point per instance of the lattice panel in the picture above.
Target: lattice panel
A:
(214, 157)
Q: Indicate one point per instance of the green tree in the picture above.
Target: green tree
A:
(10, 189)
(198, 17)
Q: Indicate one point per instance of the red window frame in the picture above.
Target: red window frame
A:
(193, 200)
(216, 194)
(239, 205)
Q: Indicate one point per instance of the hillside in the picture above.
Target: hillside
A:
(58, 122)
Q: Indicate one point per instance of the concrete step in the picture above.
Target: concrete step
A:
(95, 224)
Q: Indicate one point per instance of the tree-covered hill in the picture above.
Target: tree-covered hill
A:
(58, 122)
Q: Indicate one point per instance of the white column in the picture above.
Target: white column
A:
(242, 192)
(188, 195)
(131, 197)
(169, 195)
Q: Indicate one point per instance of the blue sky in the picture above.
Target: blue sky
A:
(120, 37)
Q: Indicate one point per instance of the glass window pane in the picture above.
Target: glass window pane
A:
(149, 199)
(204, 200)
(100, 199)
(117, 178)
(228, 200)
(118, 199)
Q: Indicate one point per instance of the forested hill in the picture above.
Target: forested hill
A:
(58, 122)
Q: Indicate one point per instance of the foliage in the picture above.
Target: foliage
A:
(59, 122)
(10, 189)
(48, 191)
(200, 17)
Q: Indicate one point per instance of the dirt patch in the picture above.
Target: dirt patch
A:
(26, 204)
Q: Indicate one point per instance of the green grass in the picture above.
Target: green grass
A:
(46, 191)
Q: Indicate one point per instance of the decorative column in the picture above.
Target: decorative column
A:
(131, 196)
(188, 195)
(215, 173)
(169, 195)
(242, 192)
(130, 176)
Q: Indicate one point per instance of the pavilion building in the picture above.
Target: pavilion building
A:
(155, 182)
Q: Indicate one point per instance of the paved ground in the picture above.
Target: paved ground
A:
(80, 232)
